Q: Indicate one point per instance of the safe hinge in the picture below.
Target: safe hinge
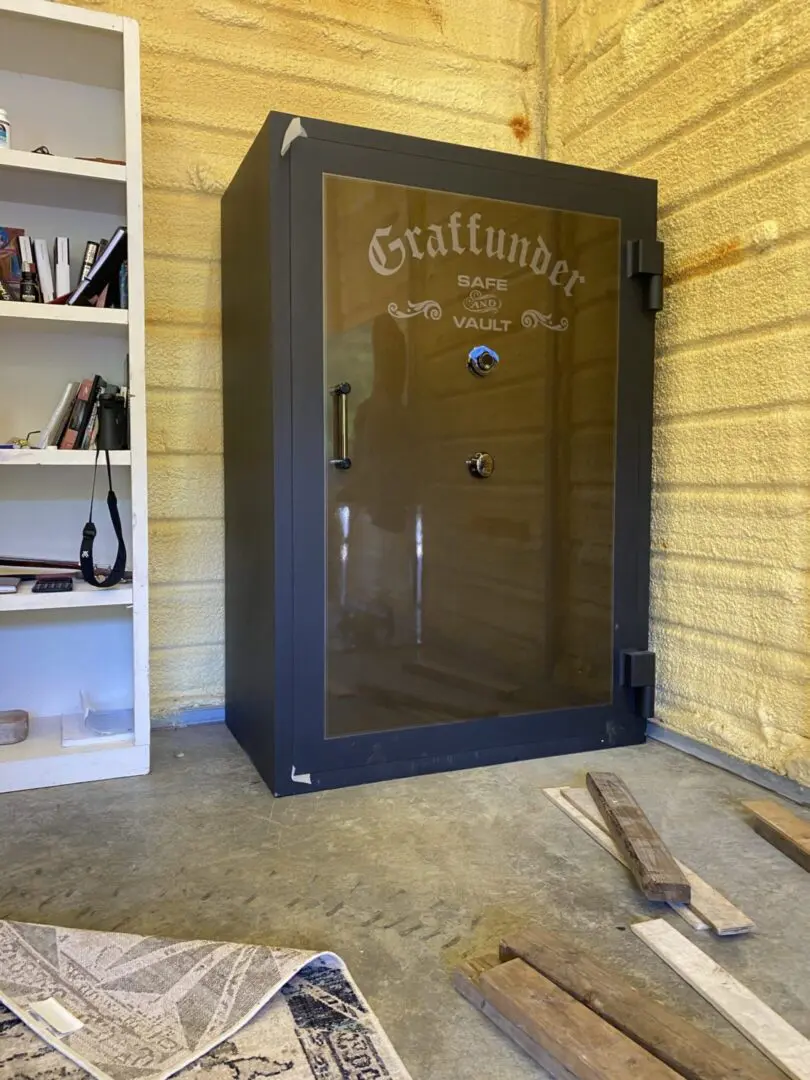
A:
(637, 673)
(645, 259)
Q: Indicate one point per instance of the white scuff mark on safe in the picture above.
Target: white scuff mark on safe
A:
(300, 778)
(295, 130)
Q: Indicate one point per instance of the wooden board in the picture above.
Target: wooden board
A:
(786, 831)
(658, 875)
(775, 1037)
(602, 837)
(708, 904)
(465, 980)
(687, 1049)
(583, 1042)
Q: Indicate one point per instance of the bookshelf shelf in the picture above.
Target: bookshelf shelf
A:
(69, 183)
(26, 161)
(83, 596)
(70, 80)
(42, 761)
(60, 316)
(49, 458)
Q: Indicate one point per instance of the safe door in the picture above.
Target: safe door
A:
(471, 372)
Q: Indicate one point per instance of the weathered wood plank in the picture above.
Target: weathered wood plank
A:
(708, 904)
(775, 1037)
(688, 1050)
(786, 831)
(600, 834)
(579, 1039)
(658, 875)
(465, 980)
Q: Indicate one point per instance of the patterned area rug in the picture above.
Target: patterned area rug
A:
(125, 1007)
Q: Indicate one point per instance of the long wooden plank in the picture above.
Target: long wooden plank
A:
(466, 981)
(775, 1037)
(787, 832)
(651, 863)
(580, 1040)
(707, 903)
(602, 837)
(688, 1050)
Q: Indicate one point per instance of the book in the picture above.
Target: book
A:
(44, 272)
(90, 428)
(9, 584)
(26, 251)
(123, 285)
(92, 399)
(10, 261)
(61, 263)
(104, 270)
(90, 253)
(78, 417)
(52, 432)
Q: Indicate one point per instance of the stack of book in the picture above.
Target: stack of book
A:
(27, 273)
(74, 422)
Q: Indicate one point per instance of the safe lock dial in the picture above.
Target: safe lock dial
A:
(481, 465)
(481, 360)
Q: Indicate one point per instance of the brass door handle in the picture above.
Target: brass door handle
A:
(340, 430)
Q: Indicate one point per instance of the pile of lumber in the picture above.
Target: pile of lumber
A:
(619, 825)
(582, 1021)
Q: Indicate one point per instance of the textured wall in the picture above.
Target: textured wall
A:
(713, 99)
(211, 71)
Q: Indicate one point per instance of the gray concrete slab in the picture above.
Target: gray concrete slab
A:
(402, 878)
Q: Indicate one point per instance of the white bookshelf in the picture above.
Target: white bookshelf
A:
(70, 79)
(61, 457)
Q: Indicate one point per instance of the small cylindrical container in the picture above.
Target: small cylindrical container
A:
(13, 727)
(29, 291)
(5, 130)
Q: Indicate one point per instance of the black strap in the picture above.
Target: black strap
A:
(89, 535)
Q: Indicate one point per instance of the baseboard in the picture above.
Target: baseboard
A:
(779, 785)
(187, 717)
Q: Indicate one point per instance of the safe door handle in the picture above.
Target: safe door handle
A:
(340, 429)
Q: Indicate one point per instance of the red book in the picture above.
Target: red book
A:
(77, 416)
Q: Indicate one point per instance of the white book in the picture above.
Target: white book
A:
(61, 262)
(49, 435)
(26, 251)
(44, 271)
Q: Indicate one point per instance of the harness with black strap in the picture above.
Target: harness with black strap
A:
(89, 535)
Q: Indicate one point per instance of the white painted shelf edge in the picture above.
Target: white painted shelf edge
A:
(27, 161)
(61, 457)
(61, 313)
(42, 761)
(82, 596)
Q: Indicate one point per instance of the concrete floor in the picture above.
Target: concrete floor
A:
(402, 878)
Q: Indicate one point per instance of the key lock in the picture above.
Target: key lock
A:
(481, 362)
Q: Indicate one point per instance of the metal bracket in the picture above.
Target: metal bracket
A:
(637, 673)
(645, 258)
(295, 130)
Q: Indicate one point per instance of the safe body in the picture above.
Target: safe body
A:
(437, 369)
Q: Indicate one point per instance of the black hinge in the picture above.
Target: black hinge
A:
(645, 259)
(637, 673)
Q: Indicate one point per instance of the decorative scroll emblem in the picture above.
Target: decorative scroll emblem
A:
(429, 308)
(531, 319)
(480, 301)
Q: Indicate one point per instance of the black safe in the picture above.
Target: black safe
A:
(438, 370)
